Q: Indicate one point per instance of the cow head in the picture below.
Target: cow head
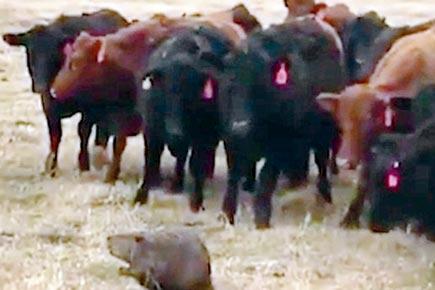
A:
(353, 110)
(43, 56)
(190, 91)
(245, 19)
(235, 102)
(82, 68)
(299, 7)
(386, 182)
(366, 39)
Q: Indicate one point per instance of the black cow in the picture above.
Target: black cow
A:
(273, 112)
(406, 115)
(366, 39)
(45, 54)
(181, 106)
(401, 180)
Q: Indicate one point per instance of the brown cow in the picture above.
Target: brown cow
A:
(45, 54)
(408, 67)
(125, 53)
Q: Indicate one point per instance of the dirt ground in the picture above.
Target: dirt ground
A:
(53, 231)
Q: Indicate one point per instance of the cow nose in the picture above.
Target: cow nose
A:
(240, 128)
(53, 93)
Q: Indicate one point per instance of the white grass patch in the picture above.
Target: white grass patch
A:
(53, 231)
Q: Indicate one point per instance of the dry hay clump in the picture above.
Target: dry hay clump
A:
(53, 231)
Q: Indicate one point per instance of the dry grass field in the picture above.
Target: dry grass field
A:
(53, 230)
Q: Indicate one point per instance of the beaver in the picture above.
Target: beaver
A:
(169, 259)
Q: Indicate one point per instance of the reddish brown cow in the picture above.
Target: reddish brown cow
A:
(407, 68)
(90, 60)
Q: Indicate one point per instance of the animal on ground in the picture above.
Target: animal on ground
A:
(165, 259)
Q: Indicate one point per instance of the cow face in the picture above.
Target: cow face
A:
(82, 69)
(235, 104)
(366, 40)
(388, 182)
(43, 57)
(190, 92)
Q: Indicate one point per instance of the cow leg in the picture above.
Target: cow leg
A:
(351, 219)
(263, 199)
(229, 205)
(336, 144)
(321, 157)
(55, 132)
(101, 139)
(249, 183)
(84, 131)
(118, 148)
(299, 166)
(177, 184)
(153, 152)
(198, 166)
(210, 164)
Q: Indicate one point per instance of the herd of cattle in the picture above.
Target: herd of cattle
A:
(364, 89)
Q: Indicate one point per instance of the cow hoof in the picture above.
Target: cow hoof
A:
(51, 164)
(141, 196)
(324, 188)
(349, 222)
(262, 225)
(196, 205)
(430, 235)
(110, 178)
(262, 219)
(297, 183)
(229, 211)
(262, 211)
(84, 163)
(84, 167)
(378, 228)
(100, 158)
(176, 186)
(112, 175)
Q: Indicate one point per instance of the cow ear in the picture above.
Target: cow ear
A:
(99, 50)
(15, 39)
(328, 101)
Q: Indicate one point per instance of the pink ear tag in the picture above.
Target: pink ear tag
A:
(208, 91)
(281, 74)
(281, 77)
(388, 121)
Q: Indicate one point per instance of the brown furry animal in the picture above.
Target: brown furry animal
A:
(175, 259)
